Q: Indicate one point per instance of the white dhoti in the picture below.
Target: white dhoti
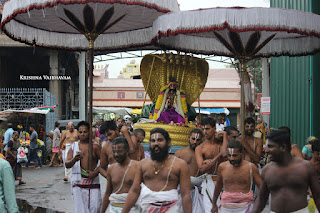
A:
(256, 190)
(236, 202)
(163, 201)
(237, 209)
(196, 196)
(67, 172)
(208, 185)
(304, 210)
(85, 192)
(87, 197)
(117, 202)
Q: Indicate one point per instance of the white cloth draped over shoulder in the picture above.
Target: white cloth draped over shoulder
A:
(76, 170)
(67, 172)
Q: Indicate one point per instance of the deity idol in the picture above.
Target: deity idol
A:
(171, 105)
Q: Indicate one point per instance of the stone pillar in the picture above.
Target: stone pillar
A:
(266, 86)
(82, 86)
(55, 86)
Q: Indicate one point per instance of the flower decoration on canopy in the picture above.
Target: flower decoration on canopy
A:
(237, 47)
(89, 28)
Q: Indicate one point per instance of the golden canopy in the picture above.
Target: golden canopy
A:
(190, 72)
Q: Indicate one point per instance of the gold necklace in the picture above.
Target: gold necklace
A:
(154, 166)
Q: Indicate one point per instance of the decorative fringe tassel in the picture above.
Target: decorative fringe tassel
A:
(298, 35)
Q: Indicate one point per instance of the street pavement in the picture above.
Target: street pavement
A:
(45, 188)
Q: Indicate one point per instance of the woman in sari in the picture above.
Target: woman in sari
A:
(11, 157)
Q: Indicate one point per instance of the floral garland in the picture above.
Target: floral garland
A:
(184, 106)
(158, 103)
(184, 103)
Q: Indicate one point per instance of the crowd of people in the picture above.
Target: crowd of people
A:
(218, 172)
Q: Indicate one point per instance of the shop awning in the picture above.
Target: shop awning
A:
(6, 114)
(115, 110)
(213, 110)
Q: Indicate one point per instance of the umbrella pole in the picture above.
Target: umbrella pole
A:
(91, 49)
(242, 106)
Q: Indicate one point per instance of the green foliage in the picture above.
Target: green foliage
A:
(255, 68)
(2, 131)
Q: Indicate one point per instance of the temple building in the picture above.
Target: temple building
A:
(222, 90)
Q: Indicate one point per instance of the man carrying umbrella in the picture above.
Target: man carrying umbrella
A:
(85, 184)
(252, 145)
(209, 155)
(110, 129)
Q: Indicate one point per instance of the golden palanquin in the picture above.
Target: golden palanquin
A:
(179, 134)
(190, 72)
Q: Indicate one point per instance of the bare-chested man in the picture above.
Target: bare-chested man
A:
(232, 133)
(156, 179)
(139, 135)
(315, 160)
(110, 129)
(209, 155)
(188, 154)
(295, 150)
(120, 177)
(252, 146)
(85, 184)
(287, 178)
(67, 138)
(236, 176)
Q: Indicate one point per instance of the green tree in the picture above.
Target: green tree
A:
(255, 69)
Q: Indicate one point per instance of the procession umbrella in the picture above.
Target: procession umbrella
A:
(109, 25)
(241, 33)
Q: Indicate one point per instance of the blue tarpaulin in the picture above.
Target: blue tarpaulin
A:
(213, 110)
